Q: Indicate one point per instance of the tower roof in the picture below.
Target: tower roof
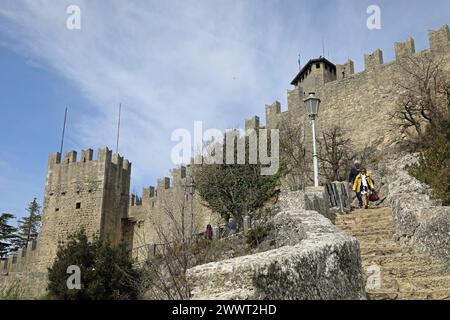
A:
(306, 66)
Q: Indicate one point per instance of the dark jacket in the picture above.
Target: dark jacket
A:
(353, 174)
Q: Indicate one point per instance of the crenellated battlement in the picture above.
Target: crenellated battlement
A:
(405, 49)
(375, 68)
(104, 155)
(252, 123)
(345, 70)
(440, 39)
(165, 187)
(373, 60)
(21, 260)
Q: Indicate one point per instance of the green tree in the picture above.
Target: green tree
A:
(29, 226)
(106, 272)
(235, 189)
(7, 234)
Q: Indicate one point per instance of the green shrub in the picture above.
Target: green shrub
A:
(434, 167)
(256, 236)
(106, 272)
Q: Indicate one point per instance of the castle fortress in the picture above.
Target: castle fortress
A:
(94, 194)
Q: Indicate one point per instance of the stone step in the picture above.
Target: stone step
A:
(405, 273)
(375, 239)
(420, 283)
(441, 294)
(363, 226)
(405, 257)
(414, 271)
(377, 251)
(387, 233)
(365, 218)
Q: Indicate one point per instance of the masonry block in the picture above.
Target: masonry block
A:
(87, 155)
(252, 123)
(70, 157)
(373, 60)
(405, 49)
(344, 70)
(163, 183)
(54, 158)
(439, 39)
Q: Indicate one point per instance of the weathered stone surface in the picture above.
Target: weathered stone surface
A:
(324, 265)
(317, 199)
(418, 218)
(407, 209)
(286, 229)
(433, 233)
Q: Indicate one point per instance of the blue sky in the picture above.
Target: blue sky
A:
(169, 63)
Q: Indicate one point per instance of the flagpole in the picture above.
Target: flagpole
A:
(63, 132)
(118, 129)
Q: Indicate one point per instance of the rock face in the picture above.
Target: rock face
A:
(324, 264)
(418, 219)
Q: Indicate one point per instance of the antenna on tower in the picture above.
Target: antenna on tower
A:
(323, 47)
(63, 132)
(299, 62)
(118, 129)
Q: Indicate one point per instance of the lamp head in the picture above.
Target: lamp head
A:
(312, 104)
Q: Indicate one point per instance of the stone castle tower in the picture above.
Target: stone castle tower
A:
(88, 194)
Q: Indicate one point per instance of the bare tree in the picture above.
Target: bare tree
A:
(335, 154)
(179, 246)
(424, 98)
(293, 154)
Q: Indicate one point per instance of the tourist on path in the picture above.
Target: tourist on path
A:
(209, 232)
(351, 178)
(232, 227)
(363, 186)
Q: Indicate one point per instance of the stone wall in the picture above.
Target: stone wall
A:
(361, 102)
(324, 264)
(157, 215)
(419, 220)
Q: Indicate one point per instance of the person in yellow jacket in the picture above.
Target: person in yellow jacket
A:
(363, 185)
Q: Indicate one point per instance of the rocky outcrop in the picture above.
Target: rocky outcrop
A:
(419, 220)
(323, 264)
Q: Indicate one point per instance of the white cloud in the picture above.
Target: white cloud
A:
(173, 62)
(169, 64)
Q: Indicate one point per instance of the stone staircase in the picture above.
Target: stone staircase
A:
(393, 272)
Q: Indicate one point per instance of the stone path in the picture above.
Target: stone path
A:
(405, 273)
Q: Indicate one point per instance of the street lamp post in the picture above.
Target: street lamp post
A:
(191, 190)
(312, 104)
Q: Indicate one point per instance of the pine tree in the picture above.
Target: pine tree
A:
(7, 234)
(29, 226)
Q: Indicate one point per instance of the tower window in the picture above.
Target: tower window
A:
(317, 65)
(56, 209)
(78, 205)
